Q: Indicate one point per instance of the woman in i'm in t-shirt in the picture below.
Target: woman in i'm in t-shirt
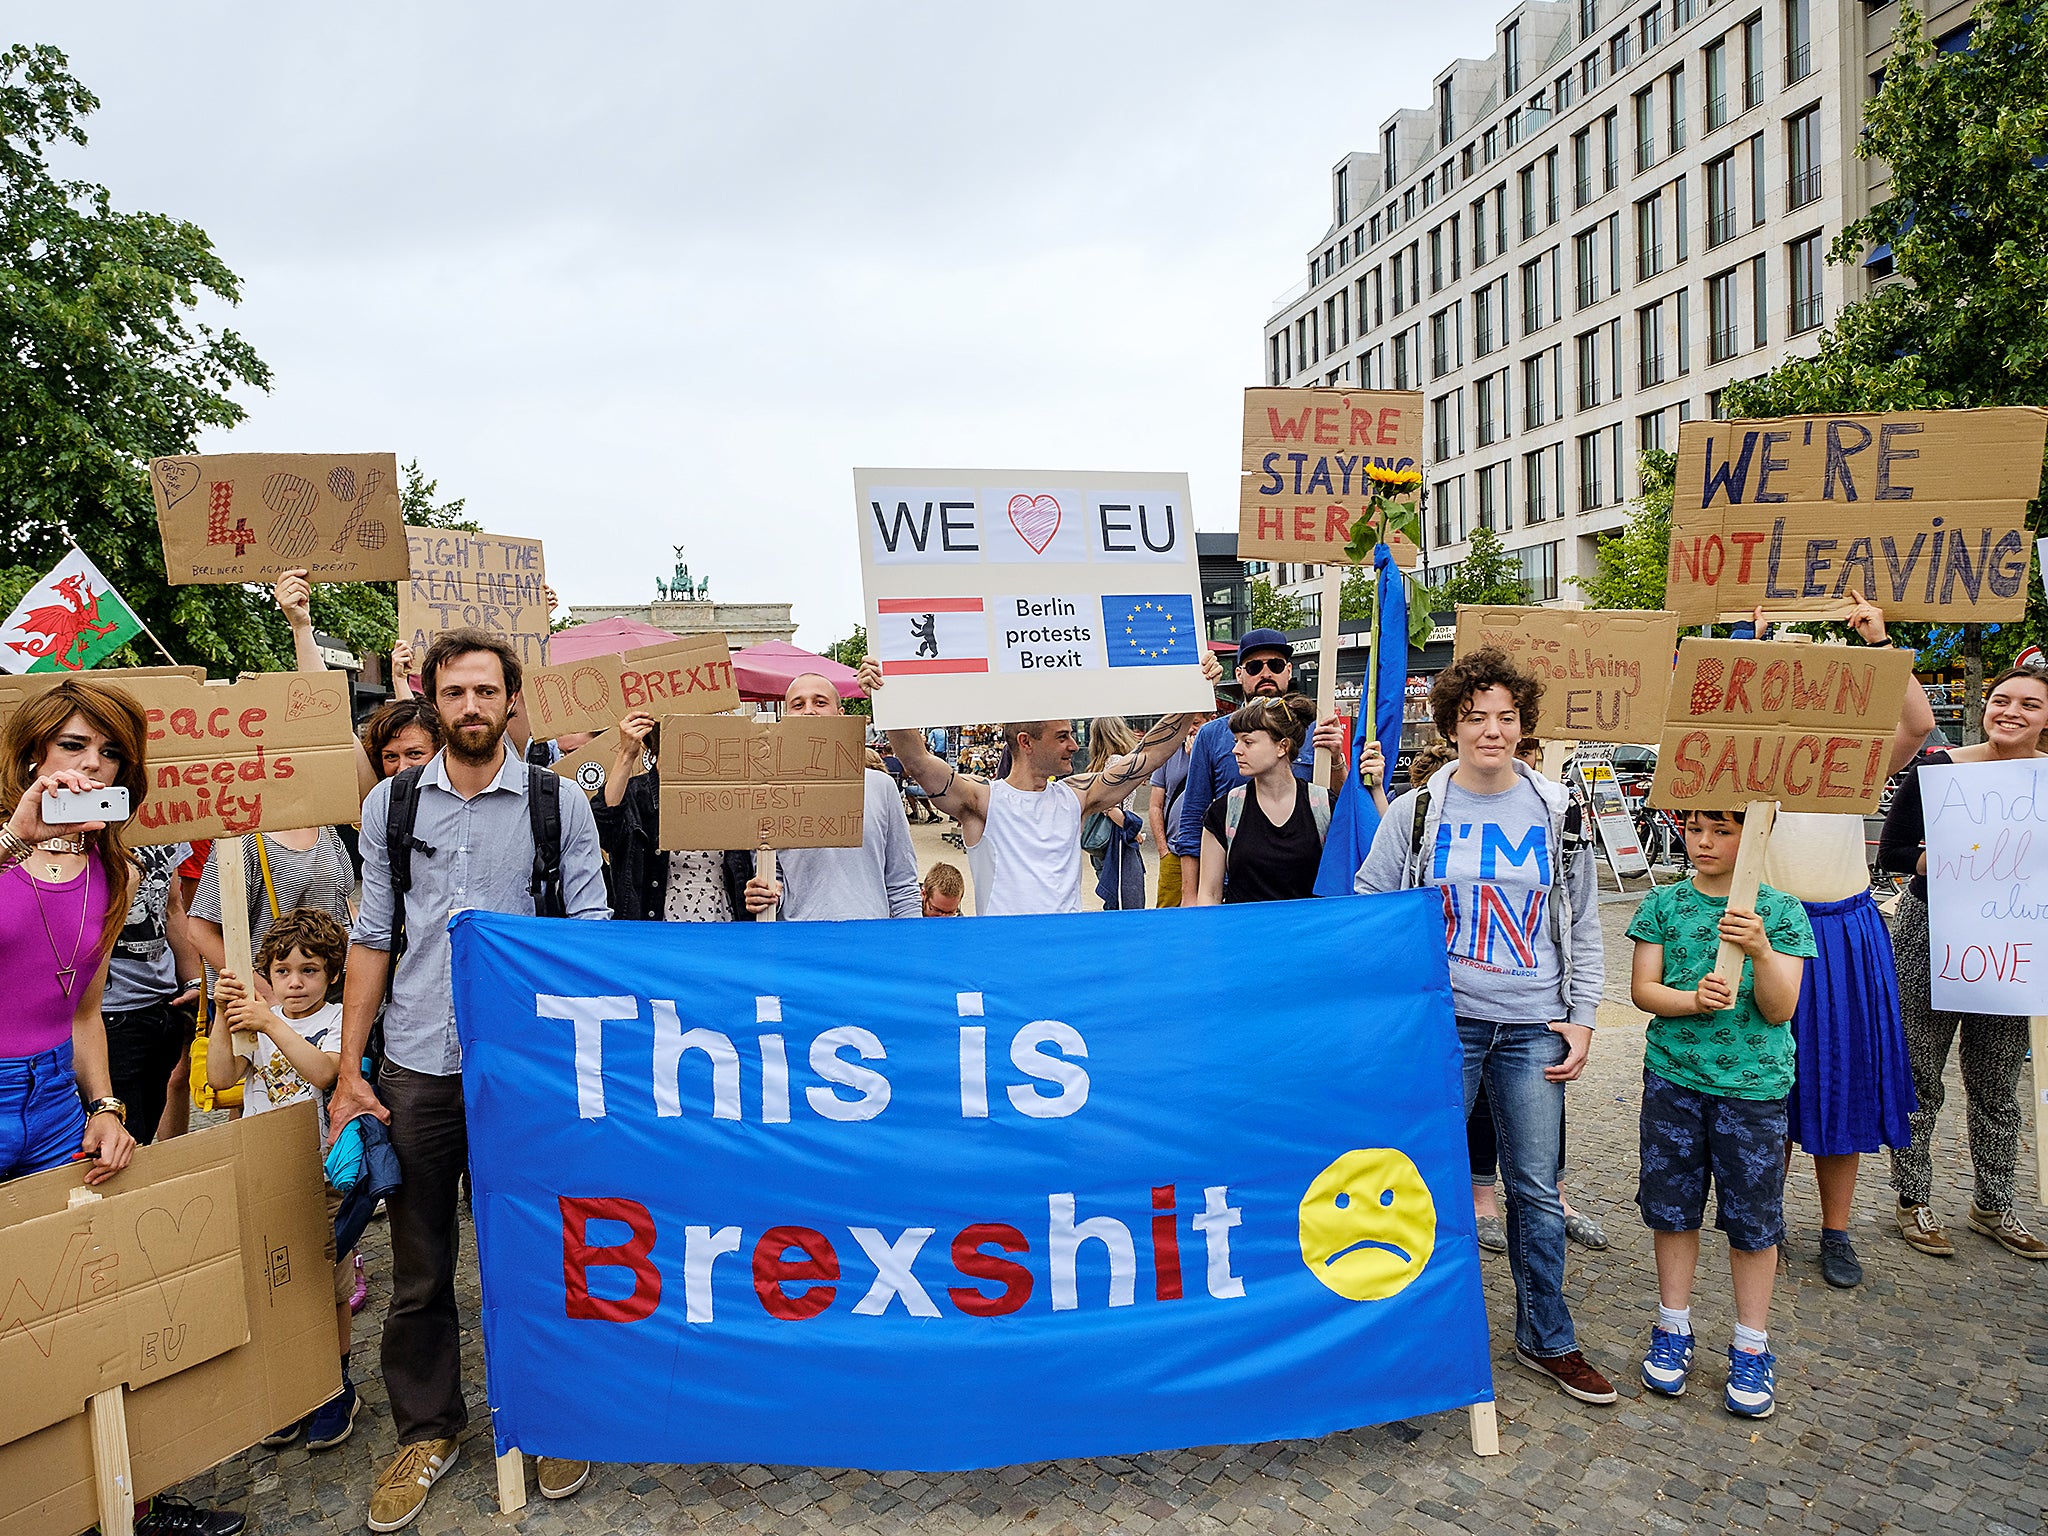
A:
(1263, 841)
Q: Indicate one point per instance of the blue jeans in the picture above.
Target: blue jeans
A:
(41, 1119)
(1528, 1118)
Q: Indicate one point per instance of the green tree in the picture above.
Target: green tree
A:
(850, 652)
(1967, 223)
(1487, 575)
(1274, 609)
(1633, 561)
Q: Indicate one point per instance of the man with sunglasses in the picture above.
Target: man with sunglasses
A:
(1265, 669)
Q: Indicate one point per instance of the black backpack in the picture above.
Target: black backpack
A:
(544, 812)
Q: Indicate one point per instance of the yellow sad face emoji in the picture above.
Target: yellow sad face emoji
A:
(1368, 1225)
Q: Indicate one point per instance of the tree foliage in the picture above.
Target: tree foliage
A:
(1274, 609)
(1967, 223)
(1633, 561)
(104, 365)
(850, 652)
(1488, 575)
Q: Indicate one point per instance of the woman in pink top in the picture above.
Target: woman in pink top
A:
(64, 894)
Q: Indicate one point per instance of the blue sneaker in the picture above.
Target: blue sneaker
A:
(1668, 1362)
(334, 1420)
(1752, 1380)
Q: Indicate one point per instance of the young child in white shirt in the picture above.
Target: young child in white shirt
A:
(297, 1055)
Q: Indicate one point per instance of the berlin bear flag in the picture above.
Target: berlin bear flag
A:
(939, 1196)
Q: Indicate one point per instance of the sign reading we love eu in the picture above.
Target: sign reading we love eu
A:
(958, 1199)
(1030, 594)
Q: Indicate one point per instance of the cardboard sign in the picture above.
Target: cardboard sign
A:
(728, 782)
(232, 517)
(200, 1281)
(588, 765)
(1923, 511)
(486, 581)
(266, 754)
(1987, 922)
(1001, 594)
(1305, 452)
(17, 689)
(1605, 672)
(692, 676)
(1809, 726)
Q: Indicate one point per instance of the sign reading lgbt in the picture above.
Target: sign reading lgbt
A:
(1006, 594)
(978, 1195)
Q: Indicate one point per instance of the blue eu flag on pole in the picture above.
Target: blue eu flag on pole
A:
(1151, 630)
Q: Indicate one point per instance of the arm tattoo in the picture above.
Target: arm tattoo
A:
(1134, 767)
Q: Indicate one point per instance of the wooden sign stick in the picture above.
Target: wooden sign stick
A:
(229, 865)
(1326, 663)
(107, 1412)
(1485, 1429)
(764, 868)
(1749, 874)
(511, 1482)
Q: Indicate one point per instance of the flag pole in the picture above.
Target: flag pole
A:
(154, 641)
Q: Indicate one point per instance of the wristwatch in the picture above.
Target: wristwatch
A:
(107, 1106)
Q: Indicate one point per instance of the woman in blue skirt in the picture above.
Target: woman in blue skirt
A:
(1854, 1085)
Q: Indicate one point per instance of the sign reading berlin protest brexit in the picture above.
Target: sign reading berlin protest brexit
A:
(967, 1195)
(1030, 594)
(1305, 458)
(1987, 885)
(1923, 512)
(1809, 726)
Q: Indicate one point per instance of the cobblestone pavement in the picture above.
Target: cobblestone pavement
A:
(1917, 1403)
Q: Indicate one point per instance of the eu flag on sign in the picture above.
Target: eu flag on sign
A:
(1151, 630)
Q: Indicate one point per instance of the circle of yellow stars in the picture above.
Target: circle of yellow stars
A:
(1131, 619)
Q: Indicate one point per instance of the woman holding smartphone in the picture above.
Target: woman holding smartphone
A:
(64, 894)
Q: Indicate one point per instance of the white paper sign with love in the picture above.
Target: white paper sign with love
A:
(1009, 594)
(268, 753)
(1987, 885)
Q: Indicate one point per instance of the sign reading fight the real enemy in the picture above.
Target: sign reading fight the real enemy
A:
(1987, 885)
(1305, 455)
(234, 517)
(1028, 594)
(729, 782)
(691, 676)
(959, 1199)
(1605, 673)
(486, 581)
(1922, 511)
(1809, 726)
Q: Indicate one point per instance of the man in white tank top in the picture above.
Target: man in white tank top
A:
(1023, 833)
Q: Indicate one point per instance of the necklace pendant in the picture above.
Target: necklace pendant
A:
(65, 976)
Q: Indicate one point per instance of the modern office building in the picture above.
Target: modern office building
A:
(1580, 240)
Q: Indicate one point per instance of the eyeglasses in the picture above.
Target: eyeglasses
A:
(1273, 664)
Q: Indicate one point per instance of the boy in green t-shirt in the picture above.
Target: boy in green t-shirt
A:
(1717, 1068)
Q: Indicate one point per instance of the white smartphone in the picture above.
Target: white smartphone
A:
(67, 805)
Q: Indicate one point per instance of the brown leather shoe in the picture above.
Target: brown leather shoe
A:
(1571, 1373)
(1919, 1228)
(558, 1478)
(401, 1493)
(2008, 1231)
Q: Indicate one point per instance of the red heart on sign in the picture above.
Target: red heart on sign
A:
(1036, 519)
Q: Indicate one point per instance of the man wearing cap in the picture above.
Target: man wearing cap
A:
(1265, 669)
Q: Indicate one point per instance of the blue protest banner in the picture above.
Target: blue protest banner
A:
(944, 1195)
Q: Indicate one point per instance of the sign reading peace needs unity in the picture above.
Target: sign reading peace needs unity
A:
(1003, 594)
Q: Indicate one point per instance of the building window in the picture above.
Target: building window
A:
(1490, 395)
(1489, 146)
(1758, 184)
(1440, 344)
(1610, 148)
(1443, 114)
(1592, 456)
(1415, 272)
(1400, 284)
(1805, 283)
(1566, 89)
(1550, 211)
(1721, 333)
(1468, 163)
(1482, 321)
(1388, 159)
(1408, 205)
(1644, 108)
(1533, 394)
(1621, 51)
(1511, 55)
(1478, 211)
(1589, 18)
(1344, 316)
(1343, 194)
(1436, 259)
(1760, 301)
(1650, 345)
(1684, 336)
(1678, 220)
(1650, 432)
(1798, 41)
(1614, 253)
(1539, 570)
(1717, 83)
(1442, 417)
(1720, 199)
(1802, 155)
(1404, 375)
(1500, 219)
(1541, 483)
(1591, 72)
(1582, 167)
(1589, 370)
(1651, 26)
(1586, 268)
(1273, 373)
(1532, 296)
(1674, 108)
(1494, 511)
(1649, 237)
(1444, 528)
(1429, 189)
(1525, 185)
(1683, 12)
(1752, 62)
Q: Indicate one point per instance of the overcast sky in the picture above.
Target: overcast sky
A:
(632, 276)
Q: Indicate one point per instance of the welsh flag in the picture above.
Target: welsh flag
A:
(70, 620)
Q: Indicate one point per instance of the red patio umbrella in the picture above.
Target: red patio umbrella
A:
(604, 637)
(764, 671)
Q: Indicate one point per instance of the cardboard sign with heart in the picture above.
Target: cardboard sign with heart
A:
(1605, 674)
(1036, 519)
